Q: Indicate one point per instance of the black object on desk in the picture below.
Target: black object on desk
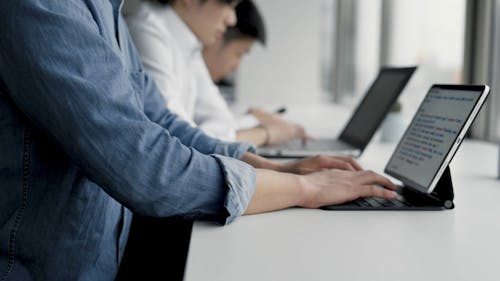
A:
(280, 110)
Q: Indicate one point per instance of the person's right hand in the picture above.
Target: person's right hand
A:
(331, 187)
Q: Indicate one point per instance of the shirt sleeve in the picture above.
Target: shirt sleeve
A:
(237, 177)
(73, 86)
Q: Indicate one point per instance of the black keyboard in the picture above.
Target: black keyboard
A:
(373, 203)
(376, 202)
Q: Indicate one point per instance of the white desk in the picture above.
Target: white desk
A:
(300, 244)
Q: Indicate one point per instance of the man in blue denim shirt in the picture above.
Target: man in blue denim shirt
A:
(85, 141)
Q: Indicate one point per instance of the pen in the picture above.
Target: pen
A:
(280, 110)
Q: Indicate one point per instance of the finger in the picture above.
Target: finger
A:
(370, 177)
(338, 165)
(351, 167)
(376, 191)
(342, 165)
(351, 161)
(327, 162)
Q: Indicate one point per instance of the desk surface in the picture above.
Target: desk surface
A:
(301, 244)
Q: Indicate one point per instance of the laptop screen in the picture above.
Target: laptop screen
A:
(429, 138)
(375, 105)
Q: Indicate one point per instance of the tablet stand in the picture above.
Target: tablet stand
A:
(444, 189)
(441, 196)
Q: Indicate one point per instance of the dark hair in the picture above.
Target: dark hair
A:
(249, 24)
(171, 1)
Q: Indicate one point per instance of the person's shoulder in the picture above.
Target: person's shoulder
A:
(148, 18)
(146, 13)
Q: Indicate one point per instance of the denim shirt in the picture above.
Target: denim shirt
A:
(85, 137)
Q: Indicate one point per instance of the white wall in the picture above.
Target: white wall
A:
(287, 70)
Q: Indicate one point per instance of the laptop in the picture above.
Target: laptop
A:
(363, 124)
(420, 160)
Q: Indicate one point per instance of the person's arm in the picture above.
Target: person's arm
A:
(276, 190)
(75, 89)
(302, 166)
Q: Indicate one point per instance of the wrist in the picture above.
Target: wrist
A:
(274, 165)
(262, 163)
(305, 192)
(267, 135)
(285, 167)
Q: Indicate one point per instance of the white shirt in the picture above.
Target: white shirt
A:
(171, 54)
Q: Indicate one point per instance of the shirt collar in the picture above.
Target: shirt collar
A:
(188, 42)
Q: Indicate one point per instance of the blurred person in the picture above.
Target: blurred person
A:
(169, 36)
(223, 59)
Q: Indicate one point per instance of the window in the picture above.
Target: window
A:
(427, 33)
(356, 47)
(482, 62)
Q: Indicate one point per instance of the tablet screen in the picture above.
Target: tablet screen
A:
(375, 105)
(430, 137)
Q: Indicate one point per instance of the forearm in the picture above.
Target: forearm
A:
(260, 162)
(257, 136)
(275, 191)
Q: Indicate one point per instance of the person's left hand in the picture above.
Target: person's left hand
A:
(318, 163)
